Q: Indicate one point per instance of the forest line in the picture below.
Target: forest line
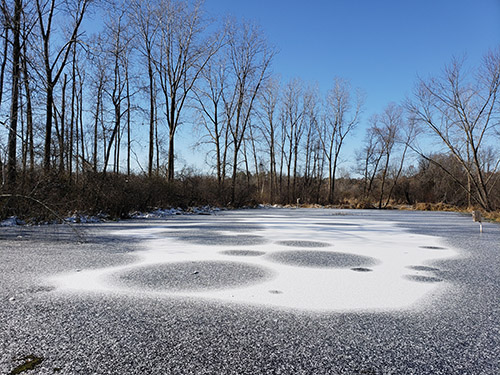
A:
(74, 104)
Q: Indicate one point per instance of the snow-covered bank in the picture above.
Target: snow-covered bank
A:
(80, 218)
(163, 213)
(11, 221)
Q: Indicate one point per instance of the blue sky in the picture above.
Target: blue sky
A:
(381, 46)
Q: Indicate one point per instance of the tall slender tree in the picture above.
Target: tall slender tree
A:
(386, 128)
(342, 114)
(54, 60)
(14, 22)
(142, 15)
(249, 62)
(293, 114)
(5, 36)
(268, 104)
(182, 51)
(117, 50)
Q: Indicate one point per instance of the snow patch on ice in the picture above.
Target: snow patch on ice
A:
(392, 283)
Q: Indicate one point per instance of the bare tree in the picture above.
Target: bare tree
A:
(341, 116)
(181, 53)
(386, 128)
(5, 36)
(99, 81)
(255, 146)
(73, 115)
(14, 22)
(60, 123)
(117, 50)
(370, 157)
(461, 111)
(81, 152)
(311, 114)
(268, 104)
(76, 153)
(249, 62)
(404, 137)
(55, 60)
(142, 14)
(29, 138)
(292, 117)
(209, 96)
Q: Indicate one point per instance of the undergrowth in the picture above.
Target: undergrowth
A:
(47, 198)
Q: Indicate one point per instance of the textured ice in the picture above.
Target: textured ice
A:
(194, 276)
(293, 243)
(369, 264)
(247, 253)
(322, 259)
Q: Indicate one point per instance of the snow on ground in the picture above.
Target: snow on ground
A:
(164, 213)
(158, 213)
(11, 221)
(318, 263)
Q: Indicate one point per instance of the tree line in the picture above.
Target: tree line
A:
(93, 93)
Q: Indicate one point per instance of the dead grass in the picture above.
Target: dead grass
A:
(435, 207)
(492, 216)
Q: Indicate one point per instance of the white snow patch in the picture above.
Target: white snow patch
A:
(383, 286)
(11, 221)
(160, 213)
(82, 218)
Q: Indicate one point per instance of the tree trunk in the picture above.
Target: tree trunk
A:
(73, 118)
(14, 108)
(255, 160)
(233, 180)
(23, 135)
(224, 155)
(272, 165)
(218, 153)
(96, 124)
(118, 141)
(295, 161)
(396, 178)
(289, 169)
(384, 174)
(83, 154)
(61, 134)
(372, 177)
(331, 181)
(4, 62)
(116, 129)
(157, 144)
(29, 114)
(129, 140)
(151, 118)
(170, 175)
(48, 126)
(247, 169)
(171, 135)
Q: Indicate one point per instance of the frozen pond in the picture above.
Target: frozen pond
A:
(310, 260)
(307, 291)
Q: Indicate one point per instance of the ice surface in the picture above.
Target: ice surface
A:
(325, 263)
